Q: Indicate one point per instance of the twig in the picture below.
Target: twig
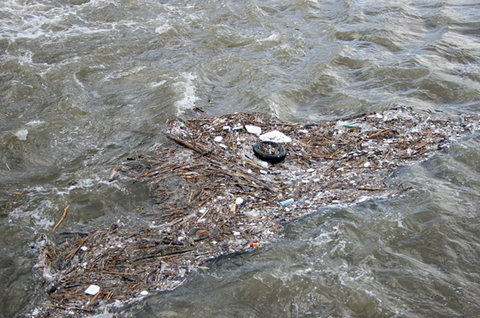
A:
(207, 199)
(201, 267)
(93, 299)
(206, 211)
(185, 144)
(181, 283)
(373, 189)
(162, 254)
(63, 218)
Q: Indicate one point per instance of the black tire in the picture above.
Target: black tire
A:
(282, 153)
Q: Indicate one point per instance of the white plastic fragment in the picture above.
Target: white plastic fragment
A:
(22, 134)
(237, 127)
(238, 201)
(263, 164)
(92, 290)
(253, 129)
(218, 138)
(275, 136)
(227, 127)
(144, 293)
(84, 248)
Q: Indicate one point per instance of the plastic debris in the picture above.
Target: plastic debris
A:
(92, 290)
(22, 134)
(237, 127)
(303, 199)
(275, 136)
(261, 163)
(253, 129)
(287, 202)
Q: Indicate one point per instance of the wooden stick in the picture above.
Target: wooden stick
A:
(185, 144)
(373, 189)
(93, 299)
(203, 214)
(201, 267)
(61, 220)
(181, 283)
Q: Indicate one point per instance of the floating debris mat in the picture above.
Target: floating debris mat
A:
(228, 184)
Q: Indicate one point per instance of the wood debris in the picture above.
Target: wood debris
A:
(214, 197)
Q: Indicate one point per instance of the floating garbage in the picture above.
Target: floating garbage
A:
(92, 290)
(269, 151)
(21, 134)
(198, 185)
(287, 202)
(253, 129)
(275, 136)
(303, 199)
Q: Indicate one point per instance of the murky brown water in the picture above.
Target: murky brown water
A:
(78, 76)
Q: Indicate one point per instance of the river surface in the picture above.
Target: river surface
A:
(77, 77)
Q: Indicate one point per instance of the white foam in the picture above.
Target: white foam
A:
(127, 73)
(36, 216)
(156, 84)
(163, 28)
(274, 37)
(35, 123)
(45, 20)
(187, 88)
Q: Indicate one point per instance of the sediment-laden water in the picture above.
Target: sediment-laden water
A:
(79, 78)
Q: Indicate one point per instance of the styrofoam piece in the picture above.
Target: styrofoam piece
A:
(275, 136)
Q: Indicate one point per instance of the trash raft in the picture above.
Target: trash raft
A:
(214, 194)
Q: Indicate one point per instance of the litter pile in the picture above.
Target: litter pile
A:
(214, 196)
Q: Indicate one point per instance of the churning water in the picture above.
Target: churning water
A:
(79, 76)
